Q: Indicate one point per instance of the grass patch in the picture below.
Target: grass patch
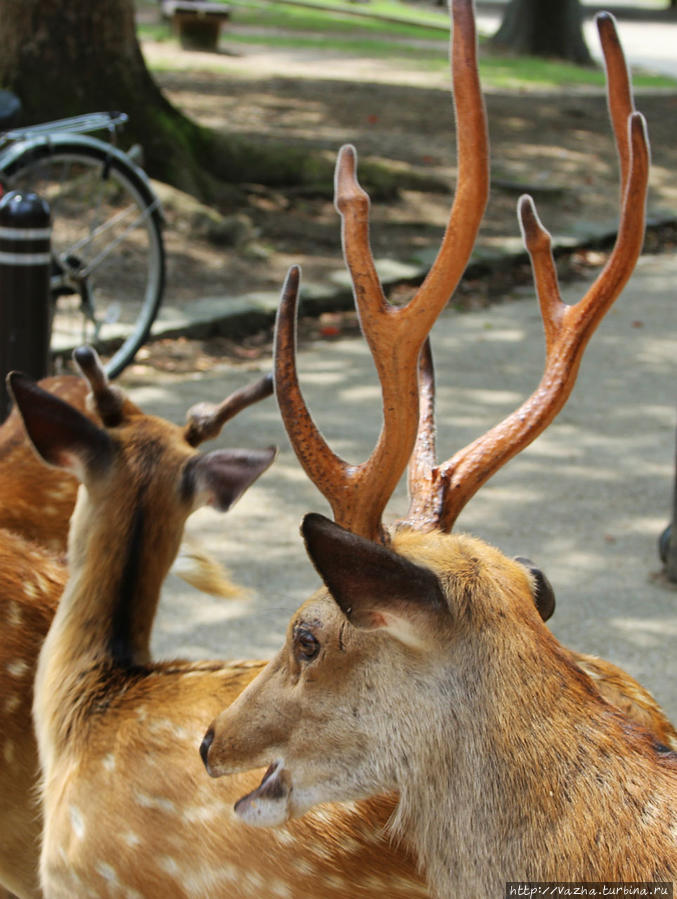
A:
(279, 25)
(330, 22)
(532, 73)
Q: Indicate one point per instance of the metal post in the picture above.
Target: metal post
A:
(668, 547)
(25, 266)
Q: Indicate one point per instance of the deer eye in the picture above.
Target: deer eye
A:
(306, 645)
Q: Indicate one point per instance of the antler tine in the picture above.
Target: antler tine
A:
(204, 421)
(324, 468)
(108, 400)
(567, 328)
(358, 494)
(472, 181)
(619, 90)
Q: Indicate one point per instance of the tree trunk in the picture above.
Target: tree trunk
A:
(549, 28)
(66, 57)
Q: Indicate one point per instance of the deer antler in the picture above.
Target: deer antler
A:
(358, 493)
(439, 492)
(205, 420)
(109, 401)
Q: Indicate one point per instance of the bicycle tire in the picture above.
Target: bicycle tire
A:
(93, 188)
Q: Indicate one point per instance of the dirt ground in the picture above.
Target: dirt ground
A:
(557, 147)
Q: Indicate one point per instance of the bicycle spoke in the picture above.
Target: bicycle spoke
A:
(106, 242)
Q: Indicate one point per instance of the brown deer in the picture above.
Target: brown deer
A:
(36, 502)
(424, 667)
(172, 830)
(116, 823)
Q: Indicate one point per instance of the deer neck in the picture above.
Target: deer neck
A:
(102, 627)
(480, 808)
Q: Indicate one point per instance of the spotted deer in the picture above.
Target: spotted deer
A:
(423, 667)
(156, 825)
(35, 505)
(36, 500)
(116, 822)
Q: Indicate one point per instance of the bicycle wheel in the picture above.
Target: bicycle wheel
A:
(108, 254)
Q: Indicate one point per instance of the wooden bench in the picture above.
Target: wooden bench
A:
(197, 23)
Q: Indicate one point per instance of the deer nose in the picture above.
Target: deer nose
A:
(204, 747)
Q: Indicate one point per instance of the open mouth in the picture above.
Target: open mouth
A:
(268, 803)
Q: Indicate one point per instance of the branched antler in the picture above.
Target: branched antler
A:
(439, 492)
(358, 493)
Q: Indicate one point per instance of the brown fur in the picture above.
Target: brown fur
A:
(134, 732)
(509, 763)
(37, 501)
(127, 803)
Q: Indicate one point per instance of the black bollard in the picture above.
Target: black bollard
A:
(25, 266)
(667, 542)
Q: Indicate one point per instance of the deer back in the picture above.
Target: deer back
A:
(37, 501)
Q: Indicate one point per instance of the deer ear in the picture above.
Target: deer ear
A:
(221, 477)
(61, 435)
(544, 595)
(374, 586)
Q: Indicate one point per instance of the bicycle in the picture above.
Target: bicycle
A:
(108, 258)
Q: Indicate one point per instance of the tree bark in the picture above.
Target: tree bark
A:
(66, 57)
(548, 28)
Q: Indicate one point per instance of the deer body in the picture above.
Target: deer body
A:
(117, 820)
(437, 678)
(36, 502)
(31, 581)
(425, 667)
(115, 718)
(167, 829)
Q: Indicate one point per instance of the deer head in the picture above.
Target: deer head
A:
(424, 667)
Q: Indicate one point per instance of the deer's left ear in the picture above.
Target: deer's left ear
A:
(374, 586)
(544, 595)
(60, 433)
(221, 477)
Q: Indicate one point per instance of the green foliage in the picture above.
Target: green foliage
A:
(421, 45)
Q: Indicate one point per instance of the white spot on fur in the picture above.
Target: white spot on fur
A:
(109, 762)
(131, 839)
(254, 881)
(281, 889)
(18, 668)
(77, 821)
(156, 802)
(30, 590)
(203, 813)
(285, 838)
(157, 725)
(304, 867)
(12, 703)
(230, 873)
(108, 873)
(41, 583)
(15, 614)
(171, 866)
